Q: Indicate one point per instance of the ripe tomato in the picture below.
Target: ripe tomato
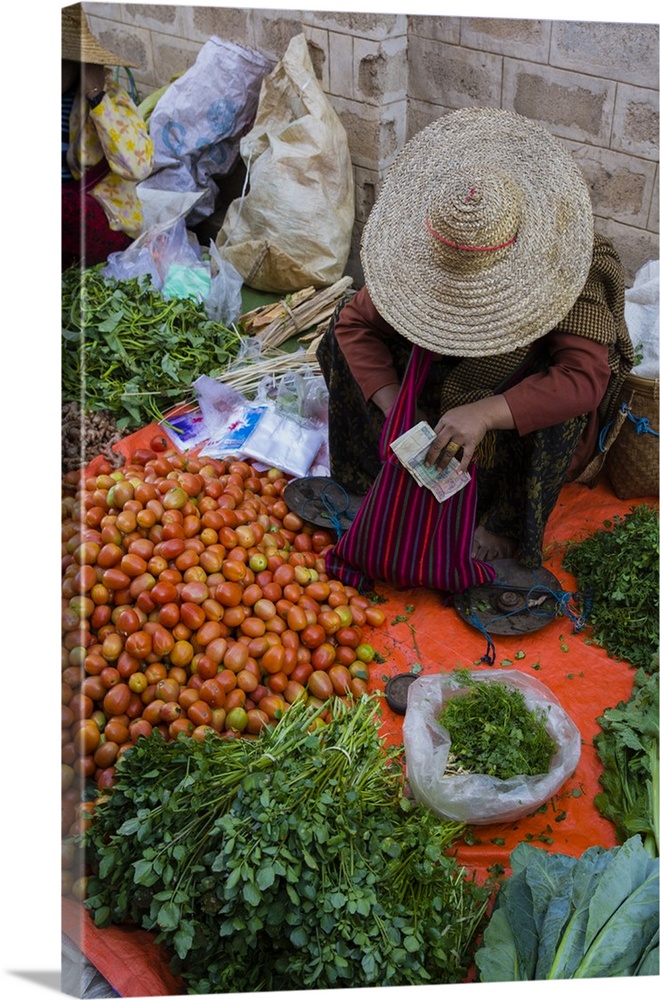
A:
(200, 713)
(340, 678)
(159, 443)
(313, 636)
(349, 635)
(323, 656)
(117, 699)
(256, 720)
(320, 685)
(229, 593)
(273, 705)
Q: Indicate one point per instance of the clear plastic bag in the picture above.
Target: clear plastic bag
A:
(480, 798)
(223, 302)
(282, 426)
(154, 253)
(643, 319)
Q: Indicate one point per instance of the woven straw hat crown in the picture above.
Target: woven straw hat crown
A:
(482, 237)
(80, 45)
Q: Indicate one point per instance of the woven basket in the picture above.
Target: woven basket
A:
(632, 461)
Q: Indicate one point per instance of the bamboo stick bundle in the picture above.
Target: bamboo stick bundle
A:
(245, 375)
(263, 316)
(272, 325)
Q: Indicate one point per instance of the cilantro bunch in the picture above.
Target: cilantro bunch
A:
(618, 567)
(493, 731)
(293, 861)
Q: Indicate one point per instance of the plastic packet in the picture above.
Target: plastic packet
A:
(287, 444)
(186, 430)
(480, 798)
(228, 416)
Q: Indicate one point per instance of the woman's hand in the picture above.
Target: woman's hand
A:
(461, 429)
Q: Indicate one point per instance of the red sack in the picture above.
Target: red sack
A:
(401, 533)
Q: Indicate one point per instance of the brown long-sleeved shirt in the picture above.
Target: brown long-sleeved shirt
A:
(574, 384)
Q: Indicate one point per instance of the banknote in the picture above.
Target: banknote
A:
(411, 448)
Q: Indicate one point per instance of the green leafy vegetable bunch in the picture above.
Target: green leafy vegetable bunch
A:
(628, 749)
(618, 566)
(494, 732)
(128, 349)
(290, 861)
(559, 917)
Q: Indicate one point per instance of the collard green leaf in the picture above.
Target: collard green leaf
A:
(629, 868)
(569, 948)
(598, 916)
(541, 881)
(549, 879)
(497, 959)
(650, 963)
(557, 916)
(621, 942)
(516, 898)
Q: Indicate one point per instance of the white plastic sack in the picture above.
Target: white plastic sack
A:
(480, 798)
(196, 128)
(293, 227)
(642, 318)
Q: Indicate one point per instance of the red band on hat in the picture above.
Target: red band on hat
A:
(460, 246)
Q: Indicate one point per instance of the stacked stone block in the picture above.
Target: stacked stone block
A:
(592, 84)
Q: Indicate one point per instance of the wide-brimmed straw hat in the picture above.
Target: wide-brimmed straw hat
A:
(80, 45)
(482, 236)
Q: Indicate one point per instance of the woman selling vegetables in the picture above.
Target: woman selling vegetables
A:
(481, 250)
(106, 149)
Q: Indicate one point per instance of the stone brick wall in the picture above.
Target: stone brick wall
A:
(592, 84)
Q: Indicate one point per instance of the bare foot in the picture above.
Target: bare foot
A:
(488, 546)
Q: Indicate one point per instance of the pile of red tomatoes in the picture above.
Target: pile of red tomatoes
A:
(193, 602)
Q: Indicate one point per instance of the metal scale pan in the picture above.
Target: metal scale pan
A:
(317, 499)
(518, 600)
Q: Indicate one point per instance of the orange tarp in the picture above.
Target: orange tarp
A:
(421, 628)
(581, 675)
